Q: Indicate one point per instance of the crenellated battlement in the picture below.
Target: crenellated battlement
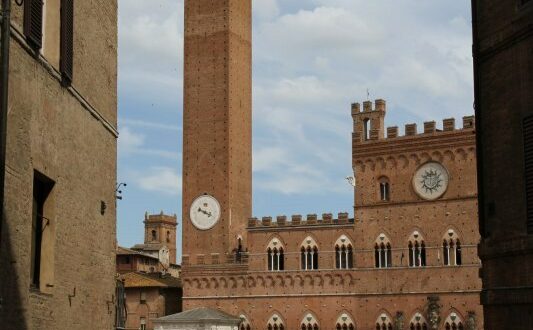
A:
(297, 220)
(430, 127)
(368, 125)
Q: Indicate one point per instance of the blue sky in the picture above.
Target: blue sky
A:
(311, 60)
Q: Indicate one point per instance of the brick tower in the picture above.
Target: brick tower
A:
(161, 229)
(217, 126)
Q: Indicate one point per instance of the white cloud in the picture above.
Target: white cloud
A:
(132, 143)
(164, 180)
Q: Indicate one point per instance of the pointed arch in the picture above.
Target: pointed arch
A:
(275, 322)
(245, 323)
(345, 322)
(309, 254)
(309, 322)
(454, 321)
(383, 252)
(417, 249)
(275, 255)
(343, 253)
(418, 322)
(384, 321)
(451, 249)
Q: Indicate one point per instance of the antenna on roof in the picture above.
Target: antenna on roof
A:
(367, 94)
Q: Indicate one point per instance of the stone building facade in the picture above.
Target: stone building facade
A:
(57, 253)
(149, 297)
(503, 70)
(406, 260)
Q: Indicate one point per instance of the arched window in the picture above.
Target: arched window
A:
(453, 322)
(168, 236)
(275, 323)
(345, 322)
(451, 249)
(366, 129)
(154, 235)
(276, 259)
(417, 250)
(245, 324)
(384, 189)
(383, 322)
(309, 254)
(309, 322)
(383, 252)
(343, 253)
(418, 322)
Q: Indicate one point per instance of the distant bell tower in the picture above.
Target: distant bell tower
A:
(217, 128)
(161, 229)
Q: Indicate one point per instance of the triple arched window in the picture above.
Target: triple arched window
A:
(309, 254)
(275, 323)
(245, 324)
(343, 253)
(383, 322)
(345, 322)
(309, 322)
(451, 249)
(418, 322)
(453, 322)
(417, 250)
(383, 252)
(276, 259)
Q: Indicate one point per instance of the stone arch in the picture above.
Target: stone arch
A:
(448, 154)
(437, 156)
(415, 159)
(462, 153)
(275, 320)
(308, 280)
(309, 321)
(425, 157)
(391, 162)
(224, 282)
(319, 281)
(251, 282)
(232, 282)
(454, 320)
(348, 279)
(214, 282)
(289, 280)
(260, 281)
(345, 321)
(404, 162)
(380, 162)
(384, 321)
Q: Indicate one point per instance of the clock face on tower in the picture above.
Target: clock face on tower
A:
(205, 212)
(431, 180)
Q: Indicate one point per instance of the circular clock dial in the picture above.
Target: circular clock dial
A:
(205, 212)
(431, 180)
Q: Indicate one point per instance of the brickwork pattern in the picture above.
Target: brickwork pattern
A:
(51, 130)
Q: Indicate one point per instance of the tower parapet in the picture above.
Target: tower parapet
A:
(297, 220)
(370, 123)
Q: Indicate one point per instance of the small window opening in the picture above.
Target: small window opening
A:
(154, 235)
(42, 236)
(366, 124)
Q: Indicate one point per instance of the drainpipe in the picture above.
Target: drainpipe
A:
(4, 78)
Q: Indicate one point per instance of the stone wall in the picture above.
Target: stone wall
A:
(69, 136)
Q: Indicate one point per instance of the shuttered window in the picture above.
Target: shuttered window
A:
(528, 159)
(67, 40)
(33, 23)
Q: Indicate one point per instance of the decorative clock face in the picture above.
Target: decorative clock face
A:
(431, 180)
(205, 212)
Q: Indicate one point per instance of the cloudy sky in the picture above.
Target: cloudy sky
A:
(311, 60)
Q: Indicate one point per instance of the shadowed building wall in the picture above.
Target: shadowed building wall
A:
(57, 262)
(503, 57)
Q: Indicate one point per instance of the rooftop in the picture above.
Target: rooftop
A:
(146, 280)
(200, 314)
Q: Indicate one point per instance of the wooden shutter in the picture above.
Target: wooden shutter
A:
(528, 160)
(67, 40)
(33, 22)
